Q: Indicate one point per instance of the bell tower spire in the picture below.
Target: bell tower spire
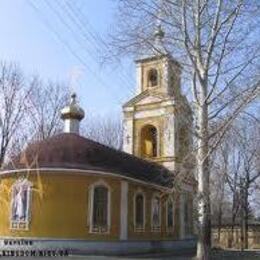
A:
(159, 32)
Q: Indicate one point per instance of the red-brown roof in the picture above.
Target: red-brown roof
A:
(72, 151)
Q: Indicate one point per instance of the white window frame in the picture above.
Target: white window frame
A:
(138, 229)
(99, 183)
(156, 228)
(18, 224)
(168, 229)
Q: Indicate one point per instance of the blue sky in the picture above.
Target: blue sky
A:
(44, 37)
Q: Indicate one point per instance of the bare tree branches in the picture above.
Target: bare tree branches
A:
(107, 131)
(29, 110)
(12, 107)
(44, 105)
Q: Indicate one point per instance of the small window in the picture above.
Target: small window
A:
(156, 214)
(20, 204)
(152, 78)
(139, 212)
(100, 209)
(170, 215)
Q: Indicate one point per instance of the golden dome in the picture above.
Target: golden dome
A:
(73, 110)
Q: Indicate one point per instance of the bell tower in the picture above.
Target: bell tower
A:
(158, 118)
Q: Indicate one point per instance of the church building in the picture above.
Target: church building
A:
(73, 193)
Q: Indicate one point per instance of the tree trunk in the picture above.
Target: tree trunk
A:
(232, 230)
(246, 215)
(2, 155)
(219, 223)
(220, 209)
(204, 232)
(242, 233)
(242, 214)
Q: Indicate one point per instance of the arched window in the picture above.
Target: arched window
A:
(170, 215)
(149, 141)
(156, 213)
(139, 216)
(20, 204)
(152, 78)
(100, 211)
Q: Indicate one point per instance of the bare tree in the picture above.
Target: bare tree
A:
(44, 105)
(225, 185)
(105, 130)
(217, 44)
(233, 184)
(248, 138)
(13, 92)
(219, 198)
(30, 109)
(238, 164)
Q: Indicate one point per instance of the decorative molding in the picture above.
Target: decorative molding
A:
(158, 112)
(91, 173)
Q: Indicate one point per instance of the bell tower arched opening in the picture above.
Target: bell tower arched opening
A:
(153, 78)
(149, 142)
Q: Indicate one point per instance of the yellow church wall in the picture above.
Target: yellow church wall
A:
(60, 208)
(59, 199)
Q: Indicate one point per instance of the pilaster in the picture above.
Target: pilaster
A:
(124, 211)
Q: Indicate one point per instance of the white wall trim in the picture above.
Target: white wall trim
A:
(128, 135)
(124, 211)
(150, 113)
(90, 172)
